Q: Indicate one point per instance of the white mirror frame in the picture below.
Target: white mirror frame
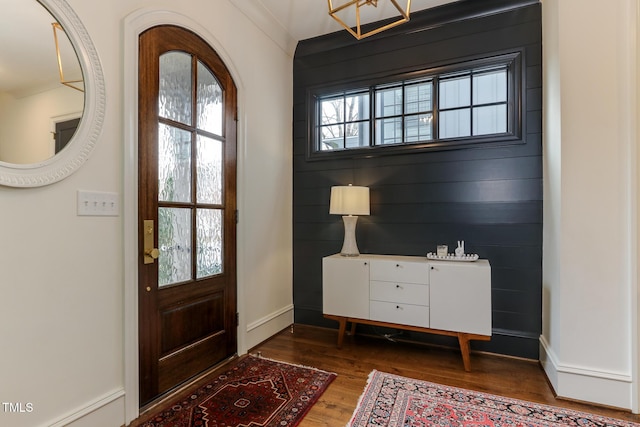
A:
(83, 141)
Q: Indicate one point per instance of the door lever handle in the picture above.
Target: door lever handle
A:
(150, 253)
(153, 253)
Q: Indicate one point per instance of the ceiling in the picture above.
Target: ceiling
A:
(27, 29)
(289, 21)
(304, 19)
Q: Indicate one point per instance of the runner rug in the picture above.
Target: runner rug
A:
(390, 400)
(253, 391)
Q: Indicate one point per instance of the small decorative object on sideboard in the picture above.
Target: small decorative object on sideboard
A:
(442, 250)
(459, 254)
(452, 257)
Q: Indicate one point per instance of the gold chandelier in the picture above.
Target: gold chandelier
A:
(75, 84)
(357, 31)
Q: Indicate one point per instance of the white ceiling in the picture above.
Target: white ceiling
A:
(289, 21)
(27, 37)
(304, 19)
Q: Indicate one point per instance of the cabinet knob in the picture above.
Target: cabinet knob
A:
(366, 263)
(432, 267)
(397, 265)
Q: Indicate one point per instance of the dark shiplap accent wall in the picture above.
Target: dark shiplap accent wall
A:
(490, 195)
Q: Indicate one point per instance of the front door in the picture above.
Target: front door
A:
(187, 209)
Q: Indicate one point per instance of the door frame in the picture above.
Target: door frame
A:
(135, 24)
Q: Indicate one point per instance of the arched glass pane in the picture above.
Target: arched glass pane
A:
(174, 164)
(209, 97)
(209, 166)
(174, 100)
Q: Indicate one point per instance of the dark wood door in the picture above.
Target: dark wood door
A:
(187, 209)
(64, 132)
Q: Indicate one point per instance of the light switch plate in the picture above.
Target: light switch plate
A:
(98, 203)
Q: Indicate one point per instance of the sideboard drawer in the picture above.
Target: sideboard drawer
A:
(404, 314)
(399, 270)
(409, 293)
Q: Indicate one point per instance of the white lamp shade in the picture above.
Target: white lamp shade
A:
(349, 200)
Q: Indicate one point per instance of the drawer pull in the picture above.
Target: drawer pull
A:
(398, 287)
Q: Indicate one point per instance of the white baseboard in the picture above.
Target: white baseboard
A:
(105, 411)
(584, 384)
(269, 325)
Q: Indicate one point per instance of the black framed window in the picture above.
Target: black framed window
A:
(475, 101)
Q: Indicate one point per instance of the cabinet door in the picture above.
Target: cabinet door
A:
(345, 287)
(460, 297)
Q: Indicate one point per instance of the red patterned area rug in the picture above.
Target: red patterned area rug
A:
(252, 392)
(392, 401)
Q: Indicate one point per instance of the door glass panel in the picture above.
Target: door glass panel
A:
(209, 101)
(209, 242)
(174, 243)
(174, 164)
(174, 100)
(209, 165)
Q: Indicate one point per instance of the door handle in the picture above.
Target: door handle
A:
(150, 253)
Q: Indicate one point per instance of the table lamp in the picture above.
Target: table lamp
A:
(349, 201)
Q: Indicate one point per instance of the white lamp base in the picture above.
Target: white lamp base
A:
(349, 247)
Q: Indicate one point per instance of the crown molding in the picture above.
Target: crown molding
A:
(268, 24)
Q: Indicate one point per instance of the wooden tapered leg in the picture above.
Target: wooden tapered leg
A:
(343, 327)
(353, 328)
(465, 349)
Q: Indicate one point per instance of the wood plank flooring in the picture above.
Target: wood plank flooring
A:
(316, 347)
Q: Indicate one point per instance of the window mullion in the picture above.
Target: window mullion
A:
(435, 108)
(402, 116)
(471, 103)
(344, 121)
(372, 116)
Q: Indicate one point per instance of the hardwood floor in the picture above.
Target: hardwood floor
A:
(316, 347)
(312, 346)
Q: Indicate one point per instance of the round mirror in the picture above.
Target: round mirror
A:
(51, 93)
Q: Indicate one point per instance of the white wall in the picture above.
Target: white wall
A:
(26, 122)
(63, 292)
(589, 256)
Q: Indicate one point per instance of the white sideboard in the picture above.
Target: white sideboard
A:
(409, 292)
